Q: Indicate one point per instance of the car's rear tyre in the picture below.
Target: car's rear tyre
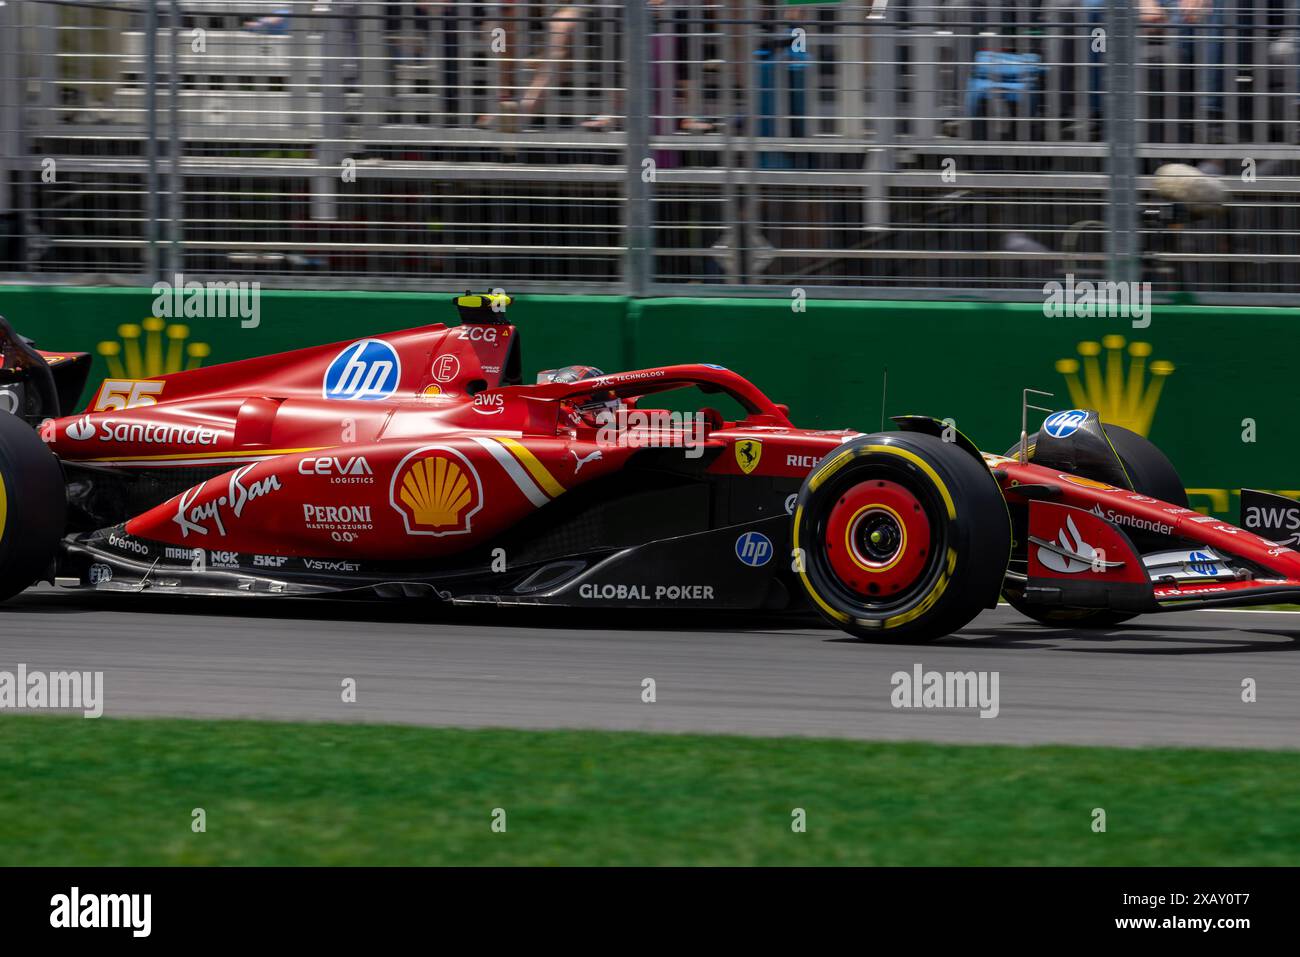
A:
(32, 506)
(1152, 474)
(901, 537)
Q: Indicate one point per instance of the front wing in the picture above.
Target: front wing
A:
(1079, 559)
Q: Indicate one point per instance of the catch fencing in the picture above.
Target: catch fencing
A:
(873, 148)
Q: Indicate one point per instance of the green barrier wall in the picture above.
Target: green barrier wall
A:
(1187, 381)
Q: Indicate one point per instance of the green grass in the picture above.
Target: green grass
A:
(115, 791)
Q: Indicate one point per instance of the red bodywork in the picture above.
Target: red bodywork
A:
(421, 444)
(1123, 508)
(426, 472)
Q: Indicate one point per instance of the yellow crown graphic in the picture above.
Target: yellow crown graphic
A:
(436, 490)
(1124, 399)
(141, 354)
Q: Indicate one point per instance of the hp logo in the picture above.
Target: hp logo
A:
(1202, 564)
(1060, 424)
(368, 370)
(754, 549)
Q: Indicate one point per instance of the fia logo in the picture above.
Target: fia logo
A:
(1061, 424)
(368, 370)
(754, 549)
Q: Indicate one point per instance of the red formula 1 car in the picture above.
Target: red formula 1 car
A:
(418, 465)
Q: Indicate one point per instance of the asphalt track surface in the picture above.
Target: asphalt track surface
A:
(1173, 679)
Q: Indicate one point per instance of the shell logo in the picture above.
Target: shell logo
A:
(1086, 482)
(437, 491)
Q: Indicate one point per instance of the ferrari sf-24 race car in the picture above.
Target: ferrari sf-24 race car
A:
(417, 464)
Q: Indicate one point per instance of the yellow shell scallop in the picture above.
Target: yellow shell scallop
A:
(436, 490)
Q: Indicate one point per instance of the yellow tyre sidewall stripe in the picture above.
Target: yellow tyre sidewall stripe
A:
(4, 507)
(824, 472)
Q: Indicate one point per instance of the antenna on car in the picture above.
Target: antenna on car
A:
(1024, 419)
(884, 388)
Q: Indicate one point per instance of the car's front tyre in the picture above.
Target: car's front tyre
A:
(901, 537)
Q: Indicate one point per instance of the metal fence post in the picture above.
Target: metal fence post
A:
(12, 154)
(329, 151)
(151, 135)
(882, 47)
(638, 263)
(176, 144)
(1121, 134)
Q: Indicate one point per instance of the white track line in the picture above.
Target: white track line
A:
(1248, 611)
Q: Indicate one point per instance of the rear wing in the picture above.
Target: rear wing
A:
(37, 385)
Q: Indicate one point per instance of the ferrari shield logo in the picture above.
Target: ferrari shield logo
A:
(748, 452)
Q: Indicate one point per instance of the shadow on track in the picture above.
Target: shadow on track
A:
(1150, 636)
(1141, 637)
(48, 601)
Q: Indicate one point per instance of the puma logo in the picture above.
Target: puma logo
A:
(582, 460)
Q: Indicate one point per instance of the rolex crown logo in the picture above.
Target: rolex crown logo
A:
(152, 348)
(1122, 397)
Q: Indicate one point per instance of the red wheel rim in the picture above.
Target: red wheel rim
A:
(877, 538)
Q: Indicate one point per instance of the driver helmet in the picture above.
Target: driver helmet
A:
(568, 374)
(595, 407)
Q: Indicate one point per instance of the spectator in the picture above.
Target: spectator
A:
(1189, 26)
(511, 104)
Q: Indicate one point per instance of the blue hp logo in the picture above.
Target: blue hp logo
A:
(754, 549)
(1202, 564)
(369, 369)
(1060, 424)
